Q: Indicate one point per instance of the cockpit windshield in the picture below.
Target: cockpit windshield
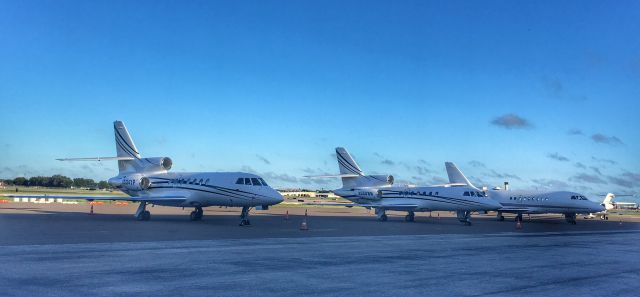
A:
(251, 181)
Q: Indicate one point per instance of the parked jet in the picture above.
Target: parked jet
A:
(609, 204)
(380, 193)
(148, 181)
(532, 202)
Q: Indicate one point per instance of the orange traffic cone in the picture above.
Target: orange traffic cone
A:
(304, 226)
(286, 216)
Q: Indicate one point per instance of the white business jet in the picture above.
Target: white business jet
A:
(535, 202)
(148, 181)
(379, 192)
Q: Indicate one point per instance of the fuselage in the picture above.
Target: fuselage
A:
(544, 202)
(429, 198)
(205, 188)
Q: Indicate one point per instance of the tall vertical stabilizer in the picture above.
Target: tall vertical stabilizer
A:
(125, 147)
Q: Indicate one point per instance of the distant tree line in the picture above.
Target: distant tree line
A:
(56, 181)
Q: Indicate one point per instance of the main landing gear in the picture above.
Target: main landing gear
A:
(410, 217)
(244, 216)
(500, 217)
(518, 218)
(570, 218)
(196, 215)
(464, 217)
(382, 216)
(142, 214)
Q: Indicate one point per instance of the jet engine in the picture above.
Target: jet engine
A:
(388, 178)
(157, 163)
(134, 182)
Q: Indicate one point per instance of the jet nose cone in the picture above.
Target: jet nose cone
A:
(276, 197)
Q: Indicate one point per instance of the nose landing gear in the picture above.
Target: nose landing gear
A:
(410, 217)
(464, 217)
(196, 215)
(382, 216)
(244, 216)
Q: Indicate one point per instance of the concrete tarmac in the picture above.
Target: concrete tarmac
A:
(48, 250)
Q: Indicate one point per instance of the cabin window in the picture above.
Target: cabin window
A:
(429, 193)
(436, 193)
(247, 181)
(255, 182)
(240, 181)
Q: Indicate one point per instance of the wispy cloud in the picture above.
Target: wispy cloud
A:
(580, 165)
(575, 132)
(627, 180)
(477, 164)
(551, 183)
(511, 121)
(588, 178)
(495, 174)
(620, 181)
(558, 157)
(596, 170)
(601, 138)
(263, 159)
(556, 89)
(612, 162)
(387, 162)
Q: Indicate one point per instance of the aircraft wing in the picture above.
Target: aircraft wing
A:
(98, 159)
(399, 207)
(156, 198)
(332, 204)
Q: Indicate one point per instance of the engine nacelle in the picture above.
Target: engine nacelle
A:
(388, 178)
(134, 182)
(157, 163)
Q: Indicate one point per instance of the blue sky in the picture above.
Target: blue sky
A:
(540, 93)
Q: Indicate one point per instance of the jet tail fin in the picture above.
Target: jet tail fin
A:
(349, 170)
(455, 175)
(125, 147)
(607, 201)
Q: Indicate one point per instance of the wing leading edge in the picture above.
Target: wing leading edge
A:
(113, 198)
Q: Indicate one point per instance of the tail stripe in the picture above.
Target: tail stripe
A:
(125, 142)
(124, 149)
(348, 165)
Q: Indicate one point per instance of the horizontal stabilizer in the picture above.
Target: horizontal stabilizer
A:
(120, 198)
(332, 176)
(98, 159)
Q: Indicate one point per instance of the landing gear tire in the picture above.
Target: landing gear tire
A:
(410, 217)
(382, 218)
(570, 218)
(144, 216)
(196, 215)
(244, 216)
(464, 217)
(500, 217)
